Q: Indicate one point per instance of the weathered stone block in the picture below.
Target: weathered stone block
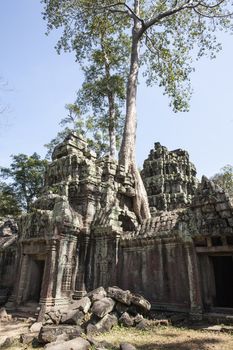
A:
(102, 307)
(126, 320)
(83, 304)
(49, 334)
(73, 317)
(123, 296)
(97, 294)
(53, 315)
(107, 322)
(127, 346)
(27, 338)
(140, 301)
(74, 344)
(138, 318)
(143, 325)
(36, 327)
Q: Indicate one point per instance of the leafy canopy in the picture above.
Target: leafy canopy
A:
(172, 33)
(225, 179)
(9, 204)
(102, 51)
(25, 176)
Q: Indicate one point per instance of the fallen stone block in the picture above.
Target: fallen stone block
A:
(28, 338)
(73, 317)
(143, 325)
(126, 320)
(97, 294)
(102, 307)
(50, 334)
(91, 329)
(106, 323)
(127, 346)
(83, 304)
(74, 344)
(138, 318)
(6, 342)
(140, 301)
(54, 316)
(123, 296)
(36, 327)
(4, 317)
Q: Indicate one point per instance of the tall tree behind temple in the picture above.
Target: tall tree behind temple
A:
(104, 61)
(225, 179)
(163, 36)
(25, 176)
(9, 203)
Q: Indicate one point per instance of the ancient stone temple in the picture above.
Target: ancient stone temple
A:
(8, 256)
(82, 233)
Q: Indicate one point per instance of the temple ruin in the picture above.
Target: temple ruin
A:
(82, 233)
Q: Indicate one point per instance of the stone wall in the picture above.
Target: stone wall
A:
(83, 232)
(170, 179)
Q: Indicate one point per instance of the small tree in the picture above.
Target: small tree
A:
(88, 126)
(26, 177)
(163, 35)
(9, 204)
(225, 179)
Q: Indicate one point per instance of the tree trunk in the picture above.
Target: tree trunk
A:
(128, 146)
(111, 105)
(112, 125)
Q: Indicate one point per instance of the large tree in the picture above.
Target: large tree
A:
(104, 62)
(25, 177)
(164, 35)
(9, 204)
(225, 179)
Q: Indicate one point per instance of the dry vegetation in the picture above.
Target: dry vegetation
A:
(169, 338)
(158, 338)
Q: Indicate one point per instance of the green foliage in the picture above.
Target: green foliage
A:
(95, 134)
(9, 204)
(102, 49)
(172, 34)
(225, 179)
(25, 176)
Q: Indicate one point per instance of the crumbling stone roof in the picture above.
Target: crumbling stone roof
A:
(169, 178)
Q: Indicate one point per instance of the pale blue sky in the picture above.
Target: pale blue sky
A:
(42, 82)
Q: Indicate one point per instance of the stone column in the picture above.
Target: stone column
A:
(22, 279)
(60, 268)
(194, 283)
(80, 286)
(12, 301)
(49, 278)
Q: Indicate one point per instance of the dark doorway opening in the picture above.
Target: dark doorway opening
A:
(37, 273)
(223, 273)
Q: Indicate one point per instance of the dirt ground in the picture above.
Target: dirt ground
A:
(158, 338)
(170, 338)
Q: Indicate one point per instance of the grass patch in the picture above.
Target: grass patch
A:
(168, 338)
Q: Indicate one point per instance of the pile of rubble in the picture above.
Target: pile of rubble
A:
(96, 312)
(100, 310)
(4, 317)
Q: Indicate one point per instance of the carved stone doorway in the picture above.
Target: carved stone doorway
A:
(223, 275)
(35, 280)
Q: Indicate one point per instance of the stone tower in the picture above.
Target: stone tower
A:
(169, 178)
